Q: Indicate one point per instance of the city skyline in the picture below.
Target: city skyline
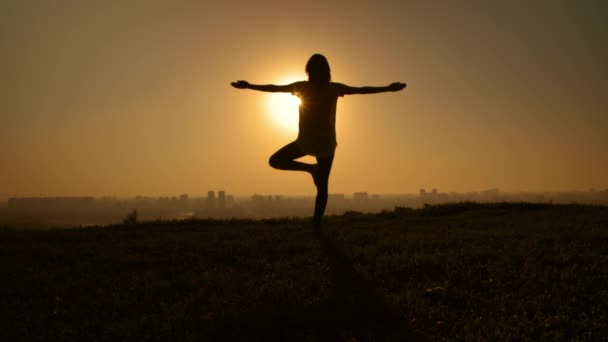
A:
(420, 191)
(65, 212)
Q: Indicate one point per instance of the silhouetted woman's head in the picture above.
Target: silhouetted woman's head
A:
(317, 69)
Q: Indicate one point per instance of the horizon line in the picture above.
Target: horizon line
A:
(419, 192)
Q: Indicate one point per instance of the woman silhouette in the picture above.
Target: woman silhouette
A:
(317, 129)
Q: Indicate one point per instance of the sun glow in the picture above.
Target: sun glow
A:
(283, 109)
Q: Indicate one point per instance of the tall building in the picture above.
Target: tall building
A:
(211, 199)
(221, 198)
(359, 197)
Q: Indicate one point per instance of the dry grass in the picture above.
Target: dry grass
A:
(459, 271)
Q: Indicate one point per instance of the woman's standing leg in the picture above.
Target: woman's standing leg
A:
(322, 182)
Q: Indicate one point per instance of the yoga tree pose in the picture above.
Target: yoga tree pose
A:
(317, 118)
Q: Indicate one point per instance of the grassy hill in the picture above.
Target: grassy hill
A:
(476, 271)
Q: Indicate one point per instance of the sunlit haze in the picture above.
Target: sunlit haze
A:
(126, 98)
(283, 108)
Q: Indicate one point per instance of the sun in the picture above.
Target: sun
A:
(283, 109)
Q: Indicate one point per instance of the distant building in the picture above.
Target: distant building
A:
(257, 199)
(359, 197)
(50, 203)
(221, 198)
(338, 197)
(211, 199)
(490, 192)
(422, 192)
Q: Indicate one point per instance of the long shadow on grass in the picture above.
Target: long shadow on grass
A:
(355, 308)
(352, 311)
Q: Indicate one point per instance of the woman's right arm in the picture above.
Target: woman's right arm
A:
(271, 88)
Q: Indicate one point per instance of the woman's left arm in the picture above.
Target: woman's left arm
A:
(348, 90)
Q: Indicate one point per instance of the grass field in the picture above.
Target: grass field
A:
(459, 271)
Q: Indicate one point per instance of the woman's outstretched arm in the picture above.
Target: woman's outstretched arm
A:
(271, 88)
(397, 86)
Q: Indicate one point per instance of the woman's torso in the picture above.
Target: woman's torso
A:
(317, 119)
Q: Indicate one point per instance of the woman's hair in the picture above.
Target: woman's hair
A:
(317, 69)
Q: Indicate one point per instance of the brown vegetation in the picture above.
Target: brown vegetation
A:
(480, 272)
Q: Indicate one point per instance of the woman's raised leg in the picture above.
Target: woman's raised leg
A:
(283, 159)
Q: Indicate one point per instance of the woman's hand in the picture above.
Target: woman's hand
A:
(396, 86)
(240, 84)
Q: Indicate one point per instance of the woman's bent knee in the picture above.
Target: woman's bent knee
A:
(274, 161)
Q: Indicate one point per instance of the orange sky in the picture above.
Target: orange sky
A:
(102, 98)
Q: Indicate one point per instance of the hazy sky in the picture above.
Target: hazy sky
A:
(133, 97)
